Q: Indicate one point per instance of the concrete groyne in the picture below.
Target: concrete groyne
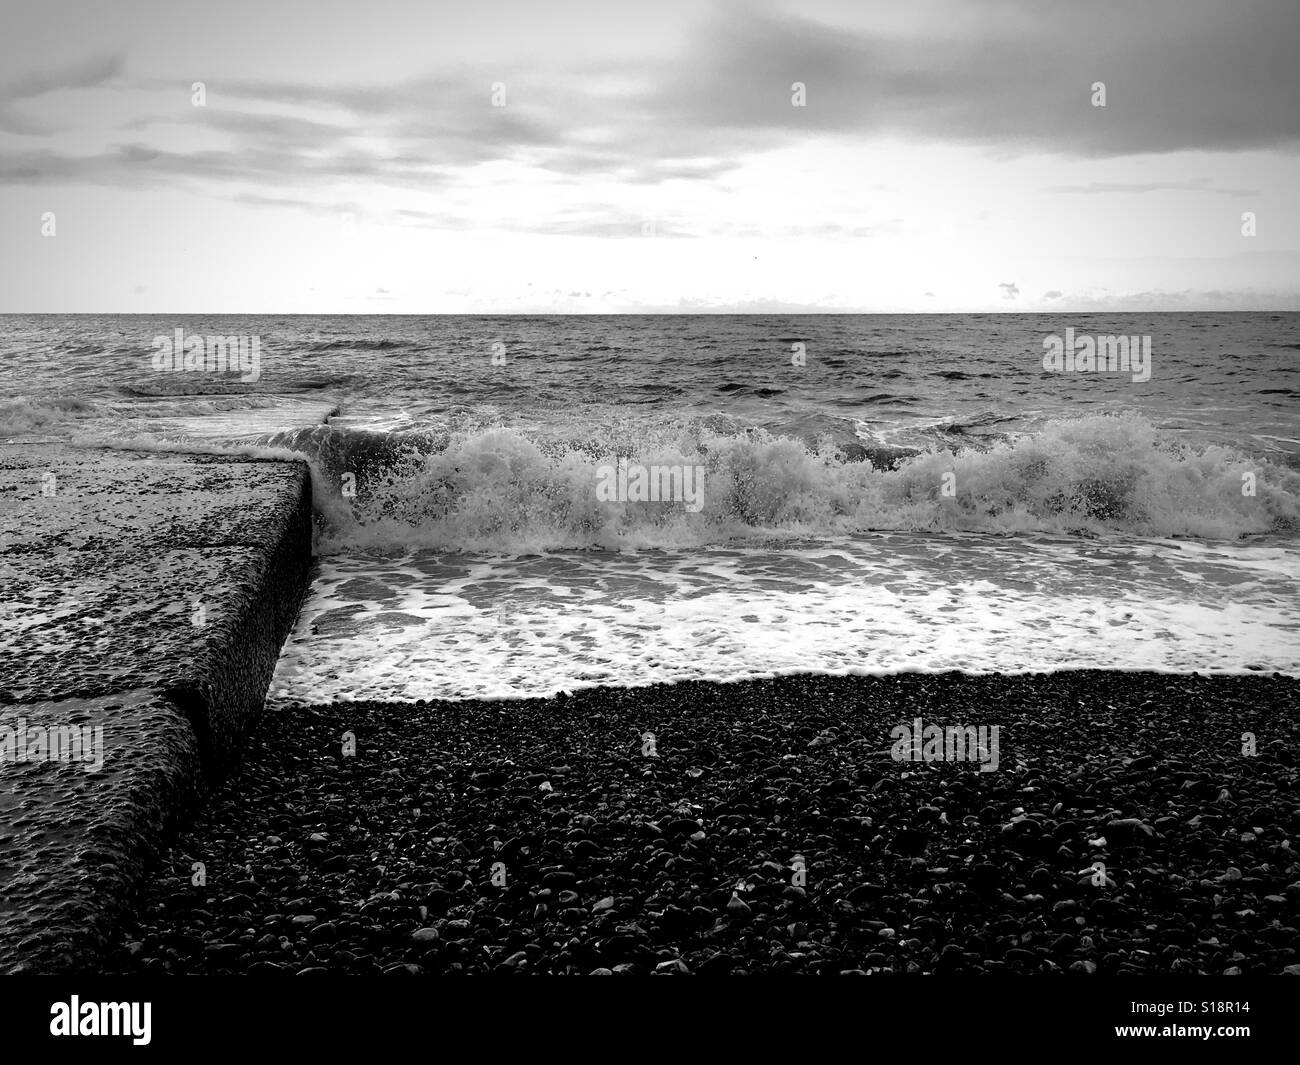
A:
(144, 598)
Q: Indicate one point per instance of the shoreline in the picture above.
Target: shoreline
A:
(611, 860)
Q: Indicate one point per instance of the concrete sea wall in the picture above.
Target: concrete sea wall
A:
(144, 598)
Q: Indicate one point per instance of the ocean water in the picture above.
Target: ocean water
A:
(851, 493)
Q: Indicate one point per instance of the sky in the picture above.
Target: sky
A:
(567, 156)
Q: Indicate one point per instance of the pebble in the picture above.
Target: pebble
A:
(737, 908)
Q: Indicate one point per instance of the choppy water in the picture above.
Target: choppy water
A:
(467, 549)
(909, 379)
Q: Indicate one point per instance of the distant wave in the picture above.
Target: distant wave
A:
(360, 344)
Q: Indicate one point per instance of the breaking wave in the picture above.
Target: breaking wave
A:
(503, 490)
(467, 485)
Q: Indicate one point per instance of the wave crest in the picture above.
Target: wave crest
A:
(502, 490)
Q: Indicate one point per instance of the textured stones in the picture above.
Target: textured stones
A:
(650, 900)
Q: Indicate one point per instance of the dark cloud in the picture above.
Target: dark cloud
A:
(1180, 74)
(1012, 76)
(87, 74)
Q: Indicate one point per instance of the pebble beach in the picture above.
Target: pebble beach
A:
(1136, 823)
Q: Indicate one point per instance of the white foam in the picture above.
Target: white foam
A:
(203, 418)
(456, 627)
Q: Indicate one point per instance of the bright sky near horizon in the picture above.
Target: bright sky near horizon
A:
(408, 156)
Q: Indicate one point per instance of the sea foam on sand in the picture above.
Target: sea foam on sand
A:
(431, 625)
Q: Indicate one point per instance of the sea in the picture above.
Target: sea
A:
(513, 506)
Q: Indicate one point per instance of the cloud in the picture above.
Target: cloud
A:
(86, 74)
(1262, 299)
(254, 128)
(1198, 185)
(139, 165)
(89, 73)
(1053, 294)
(1009, 290)
(1013, 77)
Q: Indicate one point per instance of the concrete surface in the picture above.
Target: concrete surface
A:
(149, 594)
